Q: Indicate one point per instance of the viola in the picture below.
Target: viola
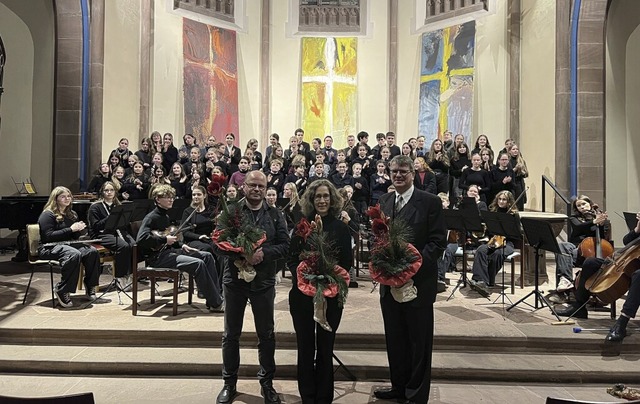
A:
(614, 277)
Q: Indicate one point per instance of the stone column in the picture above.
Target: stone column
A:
(393, 66)
(513, 27)
(591, 98)
(265, 74)
(68, 94)
(563, 100)
(146, 69)
(96, 87)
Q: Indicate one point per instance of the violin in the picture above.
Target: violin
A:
(613, 279)
(596, 246)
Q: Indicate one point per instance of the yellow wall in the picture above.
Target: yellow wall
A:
(27, 103)
(622, 106)
(491, 98)
(121, 107)
(537, 100)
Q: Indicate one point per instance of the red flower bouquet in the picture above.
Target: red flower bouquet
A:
(236, 232)
(216, 186)
(318, 274)
(394, 261)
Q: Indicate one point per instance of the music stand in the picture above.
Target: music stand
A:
(630, 220)
(140, 208)
(176, 211)
(502, 224)
(540, 236)
(119, 218)
(464, 220)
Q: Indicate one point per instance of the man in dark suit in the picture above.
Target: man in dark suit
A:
(408, 326)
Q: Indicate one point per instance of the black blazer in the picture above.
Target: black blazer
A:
(429, 183)
(423, 213)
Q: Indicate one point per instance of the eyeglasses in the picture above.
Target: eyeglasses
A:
(167, 197)
(256, 186)
(402, 173)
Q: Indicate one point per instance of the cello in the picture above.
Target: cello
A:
(596, 246)
(613, 279)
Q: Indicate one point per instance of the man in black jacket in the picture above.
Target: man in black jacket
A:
(260, 291)
(167, 252)
(408, 326)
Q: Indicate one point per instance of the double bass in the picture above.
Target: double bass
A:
(613, 279)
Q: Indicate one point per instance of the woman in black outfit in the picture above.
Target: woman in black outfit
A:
(380, 182)
(145, 154)
(477, 176)
(315, 344)
(136, 186)
(460, 161)
(481, 143)
(438, 161)
(424, 179)
(487, 262)
(103, 175)
(200, 235)
(121, 243)
(58, 222)
(169, 152)
(502, 177)
(520, 169)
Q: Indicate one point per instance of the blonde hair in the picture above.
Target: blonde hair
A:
(52, 204)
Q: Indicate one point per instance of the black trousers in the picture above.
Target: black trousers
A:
(198, 263)
(409, 336)
(122, 247)
(315, 348)
(590, 267)
(70, 257)
(262, 306)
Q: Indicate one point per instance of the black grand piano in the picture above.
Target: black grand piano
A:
(17, 211)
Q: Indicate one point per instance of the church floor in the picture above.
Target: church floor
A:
(482, 353)
(196, 390)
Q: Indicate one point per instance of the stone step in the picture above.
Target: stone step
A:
(206, 362)
(552, 343)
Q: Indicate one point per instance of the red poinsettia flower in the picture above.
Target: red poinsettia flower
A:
(402, 277)
(310, 288)
(216, 186)
(374, 212)
(379, 227)
(304, 229)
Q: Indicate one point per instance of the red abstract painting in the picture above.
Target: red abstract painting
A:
(210, 81)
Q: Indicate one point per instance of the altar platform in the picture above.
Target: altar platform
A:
(480, 349)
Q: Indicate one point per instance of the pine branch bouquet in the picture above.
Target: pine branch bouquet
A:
(236, 232)
(394, 261)
(318, 273)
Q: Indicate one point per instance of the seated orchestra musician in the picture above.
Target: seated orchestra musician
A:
(121, 243)
(58, 224)
(488, 261)
(447, 261)
(162, 249)
(629, 309)
(582, 221)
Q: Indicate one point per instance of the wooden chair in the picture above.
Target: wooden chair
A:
(512, 258)
(153, 274)
(33, 242)
(105, 256)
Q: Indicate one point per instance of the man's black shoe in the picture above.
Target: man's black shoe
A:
(570, 309)
(227, 394)
(388, 393)
(270, 395)
(442, 286)
(617, 333)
